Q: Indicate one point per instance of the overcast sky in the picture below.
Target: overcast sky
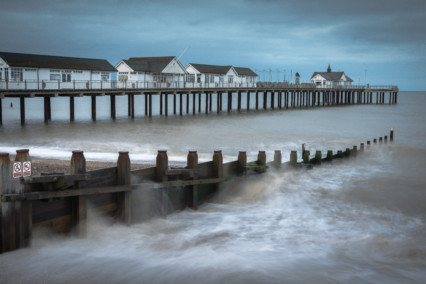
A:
(382, 42)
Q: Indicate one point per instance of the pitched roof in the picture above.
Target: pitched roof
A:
(245, 71)
(149, 64)
(212, 69)
(331, 76)
(57, 62)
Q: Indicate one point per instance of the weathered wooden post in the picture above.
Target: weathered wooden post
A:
(217, 164)
(329, 155)
(277, 159)
(78, 203)
(23, 209)
(340, 153)
(242, 162)
(161, 166)
(303, 150)
(361, 147)
(261, 158)
(192, 160)
(391, 135)
(6, 209)
(386, 139)
(318, 157)
(347, 152)
(123, 178)
(380, 140)
(368, 144)
(293, 157)
(22, 155)
(354, 151)
(306, 156)
(192, 163)
(375, 141)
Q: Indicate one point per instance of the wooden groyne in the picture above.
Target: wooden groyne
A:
(62, 202)
(267, 96)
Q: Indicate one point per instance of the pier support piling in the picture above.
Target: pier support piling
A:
(94, 107)
(112, 104)
(22, 108)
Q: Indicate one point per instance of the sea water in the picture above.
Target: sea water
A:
(350, 221)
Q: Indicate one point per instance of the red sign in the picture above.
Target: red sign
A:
(17, 170)
(26, 169)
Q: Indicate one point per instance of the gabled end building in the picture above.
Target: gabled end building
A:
(33, 71)
(151, 72)
(211, 76)
(329, 79)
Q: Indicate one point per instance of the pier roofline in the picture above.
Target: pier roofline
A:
(275, 96)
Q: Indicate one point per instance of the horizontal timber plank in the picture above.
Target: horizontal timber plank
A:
(99, 190)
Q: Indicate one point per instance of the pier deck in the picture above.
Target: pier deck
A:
(273, 96)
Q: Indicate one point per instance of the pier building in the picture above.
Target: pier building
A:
(329, 79)
(32, 71)
(150, 72)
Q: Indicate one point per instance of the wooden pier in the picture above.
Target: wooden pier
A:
(62, 202)
(267, 96)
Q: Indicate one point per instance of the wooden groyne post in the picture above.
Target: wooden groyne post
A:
(62, 202)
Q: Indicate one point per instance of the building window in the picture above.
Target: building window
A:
(30, 69)
(96, 73)
(159, 78)
(77, 72)
(55, 71)
(1, 73)
(55, 75)
(230, 79)
(133, 73)
(211, 78)
(123, 73)
(207, 78)
(190, 78)
(221, 79)
(66, 77)
(105, 76)
(16, 74)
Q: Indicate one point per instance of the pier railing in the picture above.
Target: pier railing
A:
(128, 85)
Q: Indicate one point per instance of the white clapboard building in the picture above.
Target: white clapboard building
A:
(329, 79)
(211, 76)
(151, 72)
(33, 71)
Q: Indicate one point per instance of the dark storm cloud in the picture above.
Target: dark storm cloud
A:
(250, 32)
